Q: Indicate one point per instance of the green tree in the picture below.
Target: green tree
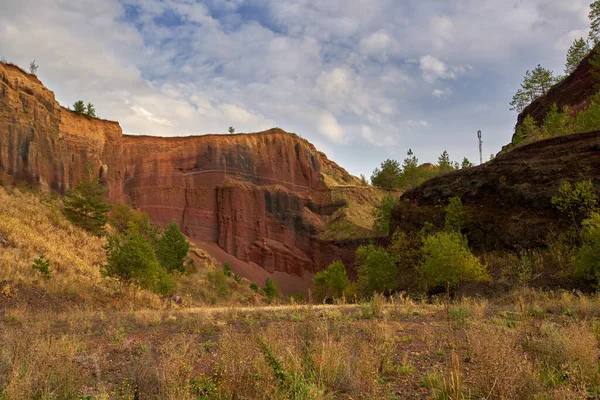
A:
(578, 201)
(172, 249)
(86, 206)
(376, 269)
(90, 111)
(231, 130)
(79, 107)
(411, 175)
(466, 163)
(444, 163)
(405, 249)
(455, 215)
(383, 214)
(576, 53)
(594, 15)
(33, 67)
(448, 260)
(331, 282)
(388, 176)
(271, 291)
(131, 258)
(554, 124)
(536, 83)
(42, 265)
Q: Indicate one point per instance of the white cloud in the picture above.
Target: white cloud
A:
(442, 92)
(329, 126)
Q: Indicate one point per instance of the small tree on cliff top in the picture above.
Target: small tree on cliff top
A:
(79, 107)
(86, 206)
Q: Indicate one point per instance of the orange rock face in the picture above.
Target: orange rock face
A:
(260, 197)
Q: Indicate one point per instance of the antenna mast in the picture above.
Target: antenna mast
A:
(480, 147)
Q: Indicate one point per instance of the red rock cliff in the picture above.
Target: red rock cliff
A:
(260, 197)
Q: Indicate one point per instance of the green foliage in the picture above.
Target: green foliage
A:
(536, 83)
(218, 282)
(576, 53)
(172, 249)
(227, 269)
(254, 287)
(90, 111)
(33, 67)
(586, 260)
(121, 215)
(455, 215)
(383, 214)
(79, 107)
(405, 249)
(388, 176)
(332, 282)
(411, 174)
(231, 130)
(86, 205)
(448, 260)
(271, 291)
(554, 124)
(376, 269)
(444, 163)
(466, 163)
(131, 258)
(237, 278)
(518, 137)
(594, 16)
(42, 265)
(577, 201)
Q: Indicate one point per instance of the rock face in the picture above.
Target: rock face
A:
(261, 197)
(575, 92)
(507, 200)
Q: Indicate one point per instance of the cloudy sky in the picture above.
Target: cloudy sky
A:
(362, 80)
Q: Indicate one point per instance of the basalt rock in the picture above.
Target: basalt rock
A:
(260, 197)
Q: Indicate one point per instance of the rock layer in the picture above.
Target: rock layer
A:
(261, 197)
(507, 200)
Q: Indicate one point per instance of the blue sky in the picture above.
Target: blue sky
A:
(364, 81)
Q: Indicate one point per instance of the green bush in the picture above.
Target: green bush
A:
(42, 265)
(271, 291)
(455, 215)
(586, 260)
(332, 282)
(376, 269)
(448, 260)
(218, 282)
(227, 269)
(131, 258)
(86, 206)
(383, 214)
(172, 249)
(576, 201)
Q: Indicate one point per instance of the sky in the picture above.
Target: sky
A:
(362, 80)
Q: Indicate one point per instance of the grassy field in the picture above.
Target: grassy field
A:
(528, 345)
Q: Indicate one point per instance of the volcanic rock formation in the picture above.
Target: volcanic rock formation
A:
(507, 200)
(262, 198)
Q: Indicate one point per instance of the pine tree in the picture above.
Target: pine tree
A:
(466, 163)
(383, 214)
(86, 206)
(79, 107)
(411, 175)
(90, 111)
(231, 130)
(576, 53)
(536, 83)
(387, 177)
(444, 163)
(594, 15)
(33, 67)
(172, 249)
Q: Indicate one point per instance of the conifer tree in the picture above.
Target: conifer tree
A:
(86, 206)
(90, 111)
(576, 53)
(536, 83)
(594, 15)
(79, 107)
(172, 249)
(387, 177)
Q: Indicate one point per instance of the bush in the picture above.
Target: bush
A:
(86, 205)
(376, 270)
(42, 265)
(122, 215)
(586, 260)
(448, 260)
(383, 214)
(270, 289)
(455, 215)
(172, 249)
(131, 258)
(405, 249)
(578, 201)
(227, 269)
(332, 282)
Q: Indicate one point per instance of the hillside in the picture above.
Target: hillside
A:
(267, 198)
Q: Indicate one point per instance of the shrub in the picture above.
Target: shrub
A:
(254, 287)
(448, 260)
(586, 260)
(405, 249)
(376, 270)
(131, 258)
(172, 249)
(86, 205)
(577, 201)
(383, 214)
(227, 269)
(455, 215)
(121, 215)
(79, 107)
(332, 282)
(42, 265)
(270, 289)
(217, 282)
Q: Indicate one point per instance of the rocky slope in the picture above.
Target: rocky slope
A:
(507, 200)
(263, 198)
(575, 92)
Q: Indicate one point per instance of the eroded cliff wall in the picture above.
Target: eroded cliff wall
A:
(261, 197)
